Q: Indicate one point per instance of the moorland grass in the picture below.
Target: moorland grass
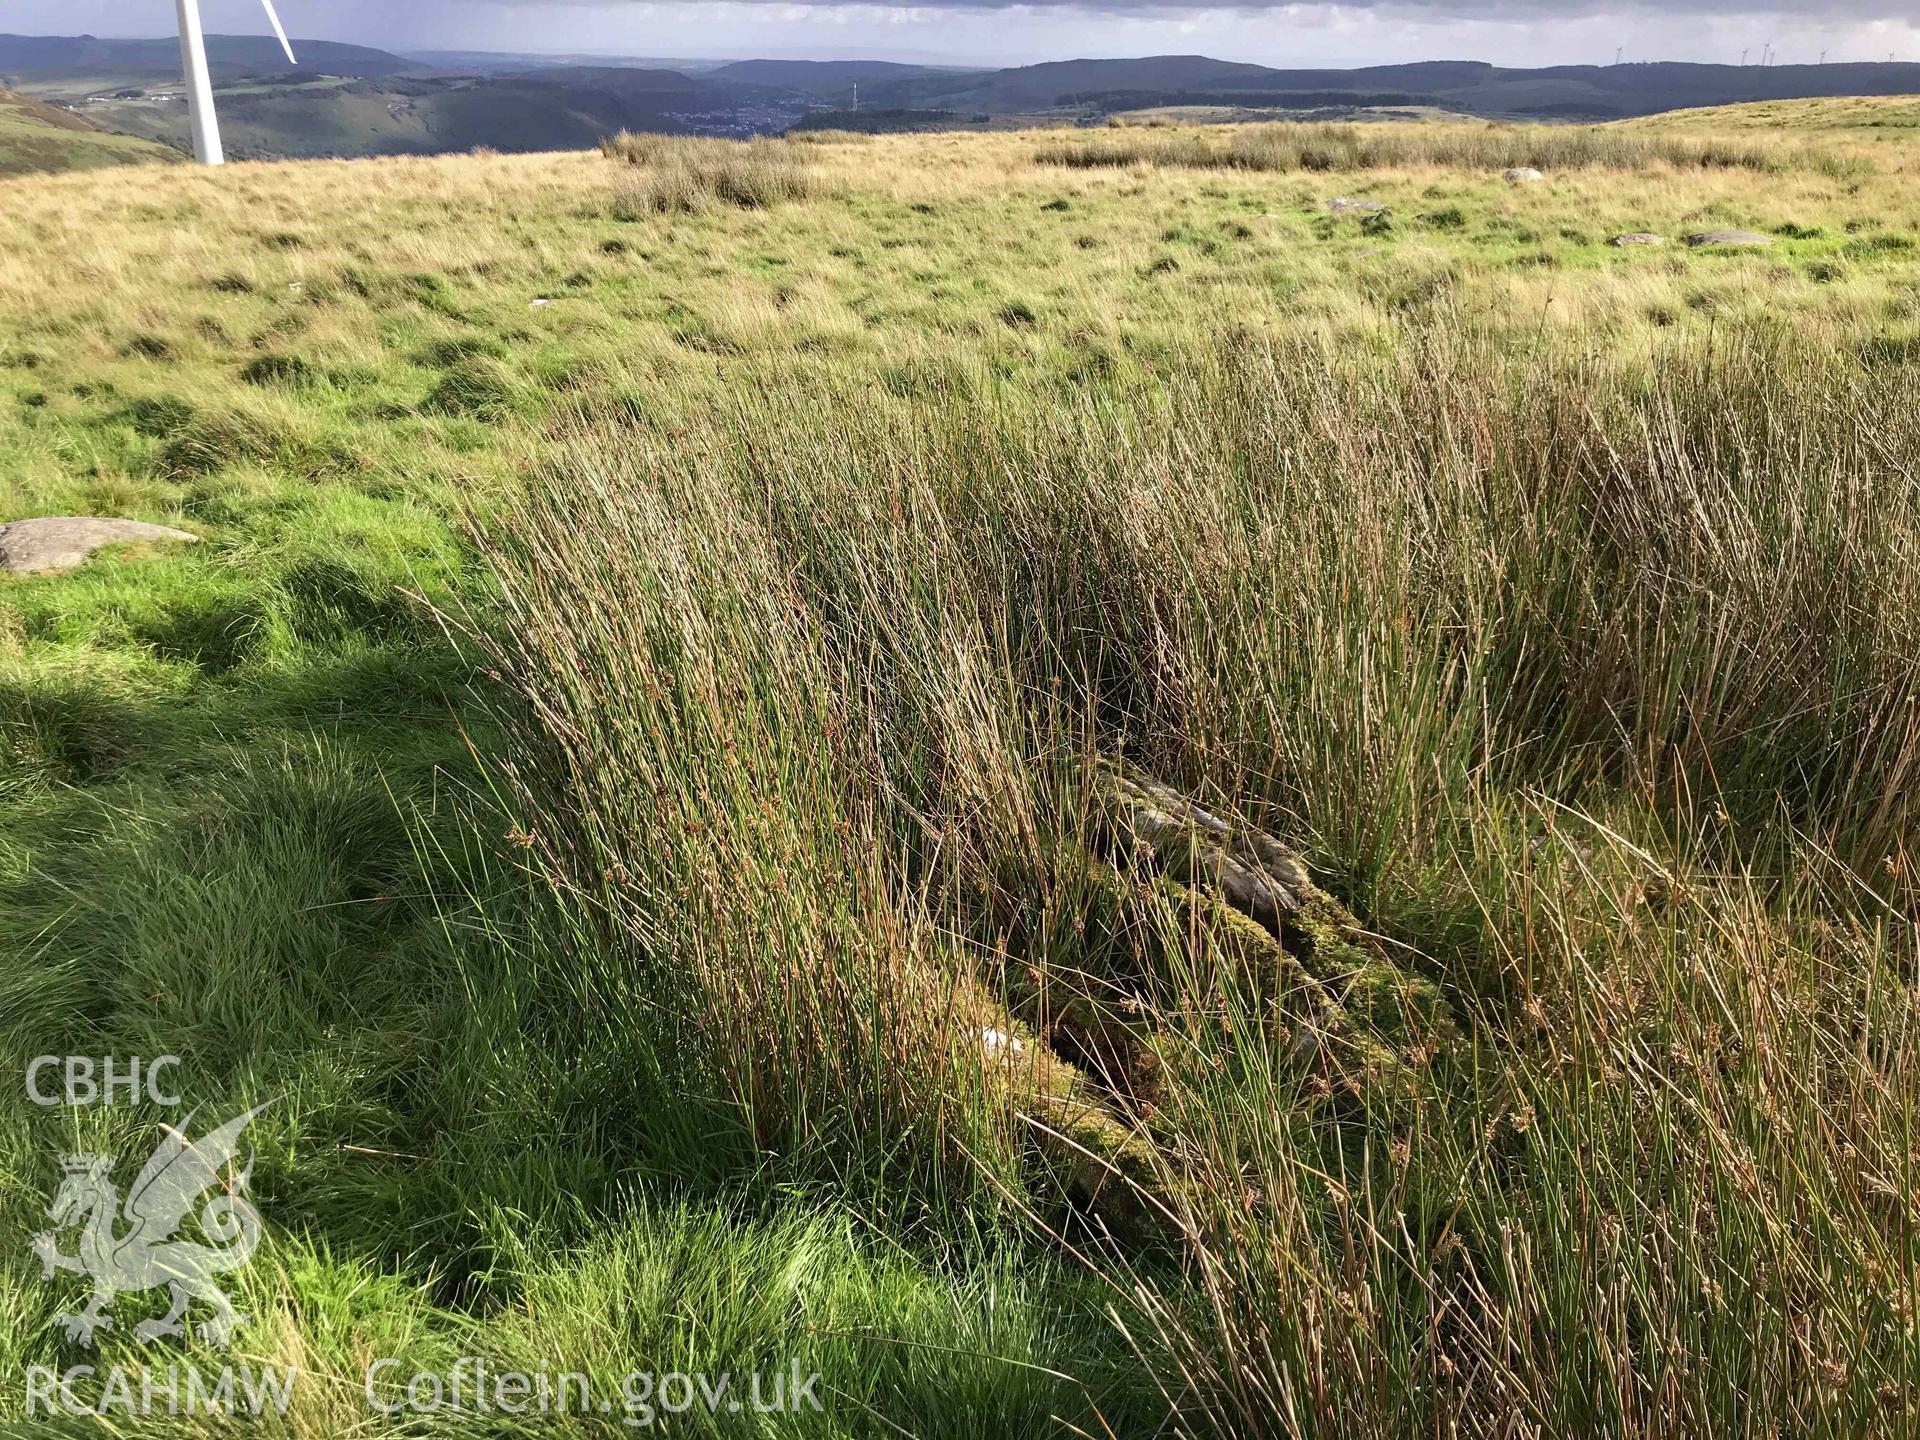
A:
(1857, 117)
(600, 751)
(671, 173)
(1322, 147)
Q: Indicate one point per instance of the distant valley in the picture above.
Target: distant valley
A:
(413, 114)
(36, 137)
(349, 100)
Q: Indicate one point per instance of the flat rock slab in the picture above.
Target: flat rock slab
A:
(1729, 237)
(60, 542)
(1638, 237)
(1522, 175)
(1344, 206)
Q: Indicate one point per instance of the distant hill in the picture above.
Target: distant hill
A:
(81, 64)
(568, 108)
(1568, 91)
(1047, 86)
(349, 100)
(36, 137)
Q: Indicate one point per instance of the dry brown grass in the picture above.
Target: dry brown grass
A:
(1287, 147)
(675, 175)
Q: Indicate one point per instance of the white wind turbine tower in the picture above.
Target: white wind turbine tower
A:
(193, 56)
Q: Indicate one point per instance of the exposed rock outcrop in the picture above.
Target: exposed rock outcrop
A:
(60, 542)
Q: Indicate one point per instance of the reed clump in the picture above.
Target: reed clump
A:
(1593, 689)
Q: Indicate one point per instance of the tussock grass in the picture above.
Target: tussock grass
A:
(673, 174)
(1286, 146)
(478, 385)
(289, 370)
(1553, 664)
(830, 137)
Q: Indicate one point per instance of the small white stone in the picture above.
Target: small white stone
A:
(998, 1042)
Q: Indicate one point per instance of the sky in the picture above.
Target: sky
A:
(994, 32)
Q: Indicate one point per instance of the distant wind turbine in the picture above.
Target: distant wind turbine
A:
(193, 57)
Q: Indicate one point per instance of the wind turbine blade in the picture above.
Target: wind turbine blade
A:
(280, 30)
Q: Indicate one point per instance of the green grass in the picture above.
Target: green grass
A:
(607, 760)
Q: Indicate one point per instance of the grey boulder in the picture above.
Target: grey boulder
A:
(60, 542)
(1638, 237)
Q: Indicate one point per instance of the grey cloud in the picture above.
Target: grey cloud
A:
(1499, 11)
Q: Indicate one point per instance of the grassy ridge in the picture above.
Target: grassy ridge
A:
(1860, 116)
(1556, 600)
(36, 138)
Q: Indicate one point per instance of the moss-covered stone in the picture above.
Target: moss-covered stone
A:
(1244, 893)
(1172, 906)
(1105, 1161)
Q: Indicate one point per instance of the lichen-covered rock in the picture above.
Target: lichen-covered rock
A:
(1254, 893)
(60, 542)
(1252, 872)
